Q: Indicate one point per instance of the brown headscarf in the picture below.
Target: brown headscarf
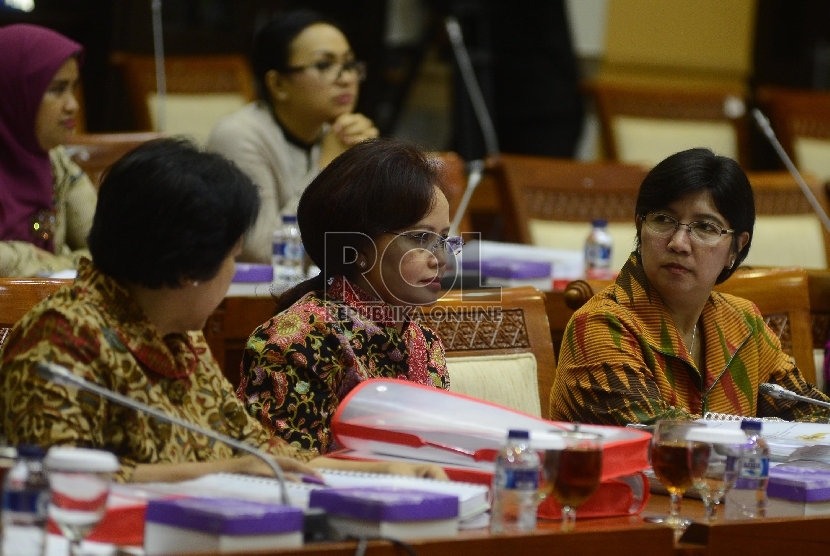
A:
(29, 58)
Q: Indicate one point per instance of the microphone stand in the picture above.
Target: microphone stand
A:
(765, 126)
(161, 75)
(64, 376)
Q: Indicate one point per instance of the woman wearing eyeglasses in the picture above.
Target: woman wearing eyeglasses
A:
(660, 343)
(308, 81)
(376, 222)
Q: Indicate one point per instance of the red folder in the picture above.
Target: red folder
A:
(386, 419)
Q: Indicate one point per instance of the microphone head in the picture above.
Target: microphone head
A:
(772, 390)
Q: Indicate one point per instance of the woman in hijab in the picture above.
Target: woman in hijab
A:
(46, 200)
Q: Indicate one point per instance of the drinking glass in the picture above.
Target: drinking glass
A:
(725, 457)
(79, 479)
(571, 475)
(678, 462)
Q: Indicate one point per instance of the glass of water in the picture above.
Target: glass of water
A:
(79, 479)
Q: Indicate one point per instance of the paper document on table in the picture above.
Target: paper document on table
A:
(784, 437)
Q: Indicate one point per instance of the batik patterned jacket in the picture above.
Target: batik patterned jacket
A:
(298, 366)
(623, 361)
(95, 329)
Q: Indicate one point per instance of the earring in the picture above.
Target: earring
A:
(194, 283)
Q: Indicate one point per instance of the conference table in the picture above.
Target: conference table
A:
(619, 536)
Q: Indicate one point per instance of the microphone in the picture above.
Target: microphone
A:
(65, 377)
(780, 393)
(763, 123)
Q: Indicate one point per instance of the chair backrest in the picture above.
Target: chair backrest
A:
(454, 174)
(96, 152)
(781, 294)
(498, 345)
(544, 199)
(801, 120)
(787, 230)
(19, 295)
(644, 124)
(201, 90)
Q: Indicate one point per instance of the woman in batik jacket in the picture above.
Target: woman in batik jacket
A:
(660, 343)
(376, 223)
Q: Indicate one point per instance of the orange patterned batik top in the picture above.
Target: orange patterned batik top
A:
(623, 361)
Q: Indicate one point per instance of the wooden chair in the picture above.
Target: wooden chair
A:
(644, 124)
(801, 120)
(201, 90)
(96, 152)
(781, 294)
(550, 202)
(19, 295)
(787, 230)
(498, 345)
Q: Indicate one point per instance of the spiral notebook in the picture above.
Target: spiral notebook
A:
(473, 499)
(712, 416)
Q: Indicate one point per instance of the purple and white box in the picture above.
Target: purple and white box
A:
(384, 511)
(798, 491)
(191, 525)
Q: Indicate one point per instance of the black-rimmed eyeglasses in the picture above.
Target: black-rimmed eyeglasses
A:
(332, 71)
(431, 241)
(702, 231)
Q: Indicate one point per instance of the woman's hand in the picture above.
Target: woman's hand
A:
(252, 465)
(346, 130)
(353, 128)
(391, 467)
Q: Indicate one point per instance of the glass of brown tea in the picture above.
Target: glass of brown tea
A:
(678, 461)
(571, 475)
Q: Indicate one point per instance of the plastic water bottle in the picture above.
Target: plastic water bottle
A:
(598, 249)
(515, 485)
(288, 253)
(25, 504)
(749, 495)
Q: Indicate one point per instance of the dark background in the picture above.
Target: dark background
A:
(792, 47)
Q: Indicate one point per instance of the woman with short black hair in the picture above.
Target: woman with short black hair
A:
(660, 343)
(376, 222)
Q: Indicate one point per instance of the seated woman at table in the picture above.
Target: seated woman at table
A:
(376, 222)
(168, 225)
(46, 200)
(660, 343)
(308, 82)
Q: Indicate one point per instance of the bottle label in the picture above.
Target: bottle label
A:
(755, 468)
(293, 251)
(27, 501)
(519, 479)
(597, 256)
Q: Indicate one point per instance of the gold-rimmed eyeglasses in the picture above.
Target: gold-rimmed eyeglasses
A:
(702, 231)
(431, 241)
(331, 71)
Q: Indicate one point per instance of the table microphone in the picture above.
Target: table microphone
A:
(781, 393)
(62, 375)
(765, 126)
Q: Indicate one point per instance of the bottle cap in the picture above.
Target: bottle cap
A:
(747, 425)
(289, 218)
(30, 451)
(65, 458)
(599, 222)
(521, 435)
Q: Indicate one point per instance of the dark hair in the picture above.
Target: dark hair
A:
(696, 170)
(375, 186)
(272, 43)
(168, 212)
